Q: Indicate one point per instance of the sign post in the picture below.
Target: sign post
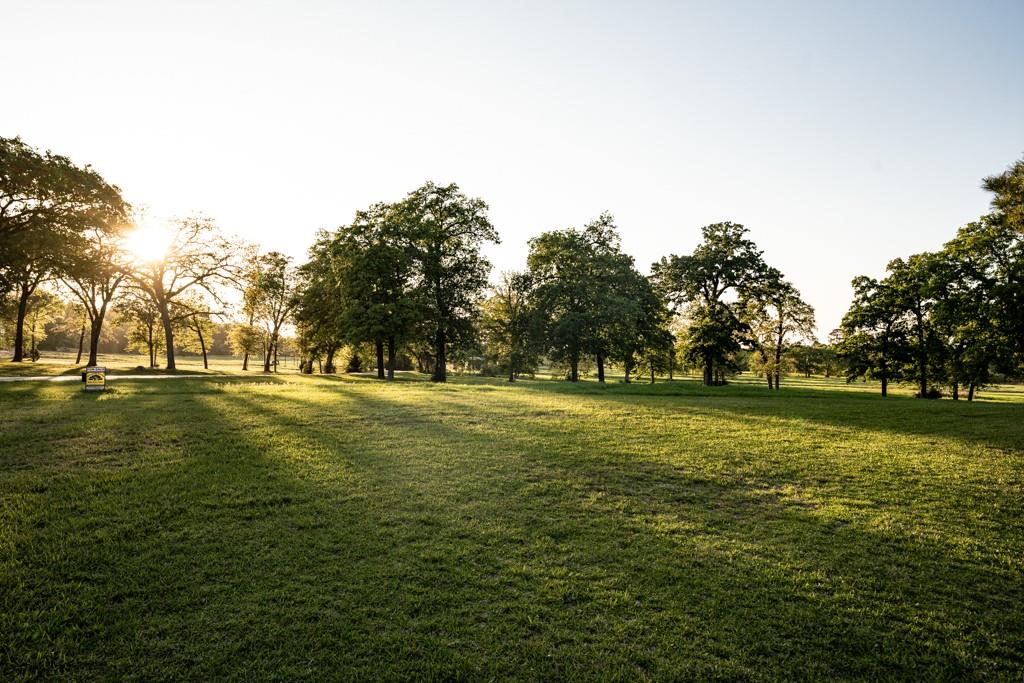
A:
(95, 379)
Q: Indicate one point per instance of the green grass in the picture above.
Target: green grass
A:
(329, 527)
(63, 363)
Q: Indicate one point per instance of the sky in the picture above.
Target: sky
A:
(841, 134)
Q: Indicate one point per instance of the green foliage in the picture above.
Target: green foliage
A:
(511, 324)
(725, 263)
(51, 212)
(593, 299)
(1008, 190)
(944, 319)
(319, 308)
(875, 333)
(245, 339)
(44, 308)
(712, 342)
(376, 270)
(270, 296)
(774, 317)
(447, 230)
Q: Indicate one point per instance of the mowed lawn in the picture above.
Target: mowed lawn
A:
(339, 528)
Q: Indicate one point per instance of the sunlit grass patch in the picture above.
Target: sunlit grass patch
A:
(318, 527)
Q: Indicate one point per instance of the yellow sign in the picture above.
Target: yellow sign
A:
(95, 379)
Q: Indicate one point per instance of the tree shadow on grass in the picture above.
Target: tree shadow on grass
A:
(349, 533)
(731, 565)
(996, 425)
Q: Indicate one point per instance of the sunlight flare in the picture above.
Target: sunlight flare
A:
(148, 242)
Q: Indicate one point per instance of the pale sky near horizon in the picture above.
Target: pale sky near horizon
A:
(841, 134)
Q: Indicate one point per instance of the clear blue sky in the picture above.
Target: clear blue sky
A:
(841, 134)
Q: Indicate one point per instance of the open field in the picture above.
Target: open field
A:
(336, 527)
(61, 363)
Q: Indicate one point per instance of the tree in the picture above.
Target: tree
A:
(44, 307)
(711, 339)
(592, 297)
(977, 289)
(47, 203)
(273, 292)
(511, 323)
(72, 323)
(137, 309)
(244, 340)
(93, 273)
(638, 332)
(319, 307)
(197, 258)
(193, 319)
(911, 283)
(1008, 188)
(375, 263)
(775, 316)
(874, 332)
(447, 231)
(726, 261)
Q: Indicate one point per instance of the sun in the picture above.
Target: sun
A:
(148, 243)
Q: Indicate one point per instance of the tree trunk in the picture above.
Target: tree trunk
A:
(268, 350)
(391, 359)
(81, 345)
(329, 365)
(380, 358)
(19, 328)
(777, 368)
(202, 342)
(771, 380)
(511, 373)
(574, 366)
(165, 318)
(277, 343)
(94, 338)
(245, 361)
(151, 345)
(970, 392)
(600, 368)
(652, 373)
(956, 391)
(709, 372)
(885, 385)
(922, 361)
(440, 366)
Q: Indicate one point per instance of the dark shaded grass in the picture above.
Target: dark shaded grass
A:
(347, 529)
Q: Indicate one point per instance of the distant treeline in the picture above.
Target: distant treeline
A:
(405, 285)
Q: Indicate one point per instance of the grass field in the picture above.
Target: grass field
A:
(63, 363)
(339, 528)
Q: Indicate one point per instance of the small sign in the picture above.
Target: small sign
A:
(95, 379)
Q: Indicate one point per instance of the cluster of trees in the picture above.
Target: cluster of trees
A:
(950, 319)
(409, 277)
(63, 237)
(405, 279)
(405, 274)
(405, 284)
(730, 299)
